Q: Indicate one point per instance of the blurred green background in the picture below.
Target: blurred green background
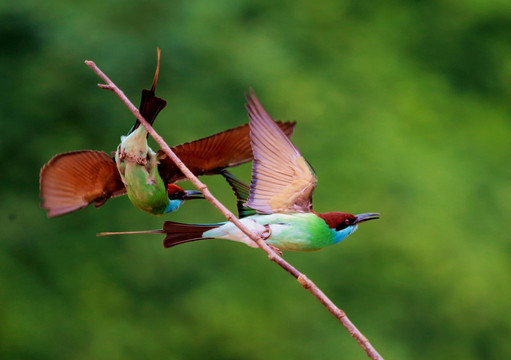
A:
(403, 108)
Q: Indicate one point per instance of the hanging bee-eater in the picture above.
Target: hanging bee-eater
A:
(138, 165)
(281, 195)
(71, 181)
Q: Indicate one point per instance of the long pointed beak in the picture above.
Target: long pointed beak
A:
(366, 217)
(192, 194)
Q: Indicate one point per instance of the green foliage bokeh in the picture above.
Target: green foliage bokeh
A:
(403, 108)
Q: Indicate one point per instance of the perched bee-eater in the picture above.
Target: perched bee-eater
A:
(281, 195)
(71, 181)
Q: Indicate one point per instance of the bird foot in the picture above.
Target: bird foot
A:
(266, 233)
(277, 250)
(141, 161)
(121, 154)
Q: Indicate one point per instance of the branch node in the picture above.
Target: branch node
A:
(230, 217)
(304, 281)
(106, 87)
(273, 256)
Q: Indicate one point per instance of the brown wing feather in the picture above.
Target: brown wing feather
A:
(282, 180)
(211, 154)
(73, 180)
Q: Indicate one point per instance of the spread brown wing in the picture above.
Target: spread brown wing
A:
(73, 180)
(211, 154)
(282, 180)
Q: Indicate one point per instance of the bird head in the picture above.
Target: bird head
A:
(345, 224)
(177, 196)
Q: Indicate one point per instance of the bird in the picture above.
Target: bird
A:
(73, 180)
(137, 163)
(279, 197)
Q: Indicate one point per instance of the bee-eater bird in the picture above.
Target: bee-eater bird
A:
(73, 180)
(281, 194)
(138, 165)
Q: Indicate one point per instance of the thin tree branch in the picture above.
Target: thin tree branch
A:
(272, 255)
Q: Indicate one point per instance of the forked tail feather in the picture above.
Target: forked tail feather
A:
(108, 233)
(150, 104)
(178, 233)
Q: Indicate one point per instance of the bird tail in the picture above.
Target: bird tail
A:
(108, 233)
(241, 191)
(178, 233)
(150, 105)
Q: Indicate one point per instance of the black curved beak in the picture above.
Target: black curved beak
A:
(366, 217)
(192, 194)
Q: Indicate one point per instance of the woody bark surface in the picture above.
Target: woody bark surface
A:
(272, 255)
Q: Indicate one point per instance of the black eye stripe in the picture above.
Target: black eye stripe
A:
(176, 194)
(341, 226)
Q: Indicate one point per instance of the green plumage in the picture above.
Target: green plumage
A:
(138, 167)
(293, 232)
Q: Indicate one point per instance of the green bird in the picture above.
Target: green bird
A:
(138, 163)
(73, 180)
(280, 195)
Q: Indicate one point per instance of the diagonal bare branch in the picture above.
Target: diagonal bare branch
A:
(272, 255)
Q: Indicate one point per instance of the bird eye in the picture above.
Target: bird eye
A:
(344, 224)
